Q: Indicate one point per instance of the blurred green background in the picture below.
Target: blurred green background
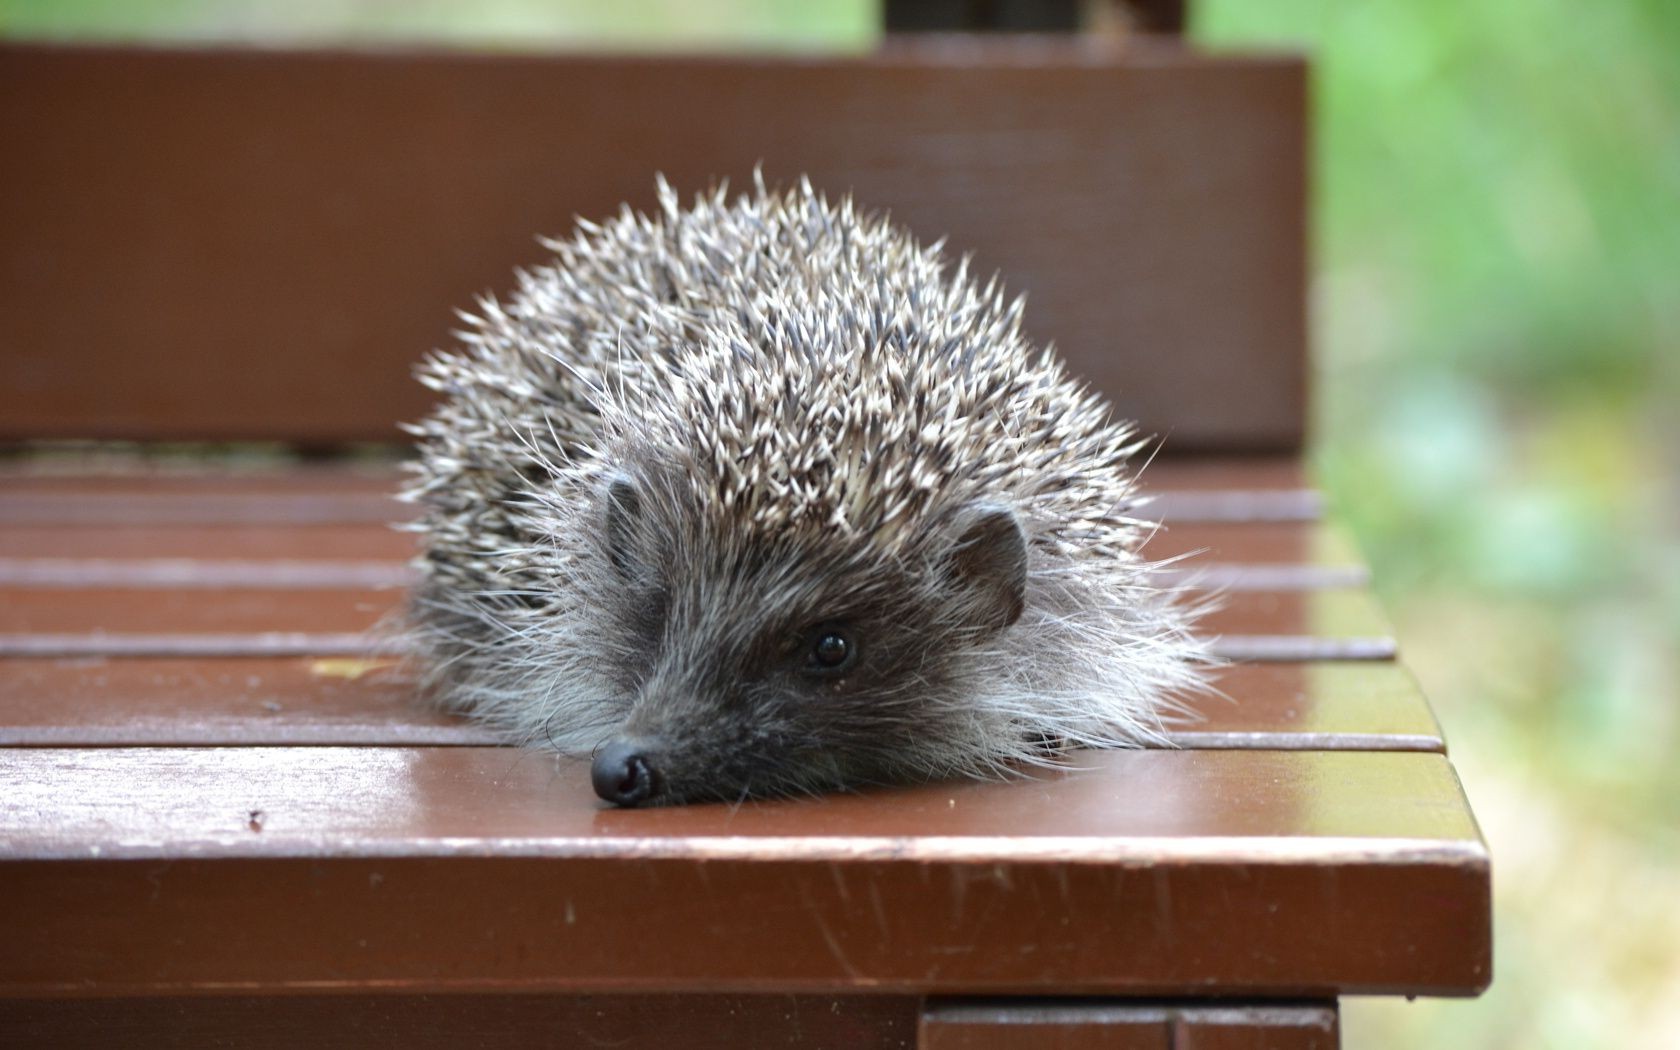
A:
(1497, 310)
(1497, 313)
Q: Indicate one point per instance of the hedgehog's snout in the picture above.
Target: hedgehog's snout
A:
(626, 772)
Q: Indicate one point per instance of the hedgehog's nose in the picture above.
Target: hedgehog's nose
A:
(624, 773)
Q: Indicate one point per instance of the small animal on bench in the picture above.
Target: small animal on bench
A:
(760, 497)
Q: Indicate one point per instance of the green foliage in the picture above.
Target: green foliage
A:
(1498, 322)
(1500, 174)
(734, 24)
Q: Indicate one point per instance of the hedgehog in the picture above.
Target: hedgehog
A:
(761, 497)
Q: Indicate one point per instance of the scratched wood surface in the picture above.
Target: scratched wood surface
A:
(198, 748)
(430, 869)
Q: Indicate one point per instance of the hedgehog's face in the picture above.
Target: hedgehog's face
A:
(755, 667)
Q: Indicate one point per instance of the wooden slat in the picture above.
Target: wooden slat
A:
(449, 1022)
(276, 236)
(119, 474)
(1254, 543)
(1246, 556)
(1143, 872)
(192, 611)
(209, 543)
(248, 702)
(144, 494)
(958, 1024)
(1182, 490)
(26, 507)
(245, 702)
(1331, 614)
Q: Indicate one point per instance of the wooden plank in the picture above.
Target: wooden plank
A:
(1269, 648)
(147, 501)
(166, 870)
(121, 472)
(957, 1024)
(195, 703)
(23, 506)
(304, 509)
(27, 505)
(446, 1022)
(36, 492)
(374, 541)
(486, 1022)
(37, 610)
(1335, 614)
(1246, 556)
(276, 236)
(84, 645)
(117, 474)
(1323, 705)
(278, 702)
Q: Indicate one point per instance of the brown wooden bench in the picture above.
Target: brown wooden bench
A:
(223, 818)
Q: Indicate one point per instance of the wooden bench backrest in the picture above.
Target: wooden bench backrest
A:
(235, 244)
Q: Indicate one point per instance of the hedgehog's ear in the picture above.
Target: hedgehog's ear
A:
(988, 565)
(623, 517)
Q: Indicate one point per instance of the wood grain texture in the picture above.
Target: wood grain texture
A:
(280, 702)
(1145, 872)
(1117, 1025)
(450, 1022)
(277, 236)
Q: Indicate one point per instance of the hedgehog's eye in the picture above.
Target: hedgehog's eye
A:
(832, 649)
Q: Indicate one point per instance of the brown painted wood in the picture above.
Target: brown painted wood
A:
(1329, 614)
(1320, 705)
(123, 474)
(230, 701)
(1270, 648)
(1143, 872)
(276, 236)
(123, 470)
(1014, 16)
(374, 541)
(196, 493)
(36, 610)
(450, 1022)
(1187, 489)
(253, 702)
(1117, 1025)
(1296, 555)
